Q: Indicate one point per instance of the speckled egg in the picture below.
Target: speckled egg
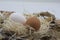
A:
(33, 22)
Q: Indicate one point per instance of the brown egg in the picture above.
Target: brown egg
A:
(33, 22)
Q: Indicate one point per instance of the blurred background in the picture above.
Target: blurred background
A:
(31, 6)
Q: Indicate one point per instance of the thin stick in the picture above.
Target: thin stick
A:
(12, 36)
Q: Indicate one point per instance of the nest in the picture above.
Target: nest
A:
(10, 30)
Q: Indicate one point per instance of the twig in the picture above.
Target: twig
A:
(12, 36)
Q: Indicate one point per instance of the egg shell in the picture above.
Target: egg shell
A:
(33, 22)
(17, 17)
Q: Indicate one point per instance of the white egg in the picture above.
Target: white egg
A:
(17, 17)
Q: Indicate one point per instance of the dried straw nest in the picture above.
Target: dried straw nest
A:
(12, 30)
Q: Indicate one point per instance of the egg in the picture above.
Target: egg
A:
(34, 22)
(17, 17)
